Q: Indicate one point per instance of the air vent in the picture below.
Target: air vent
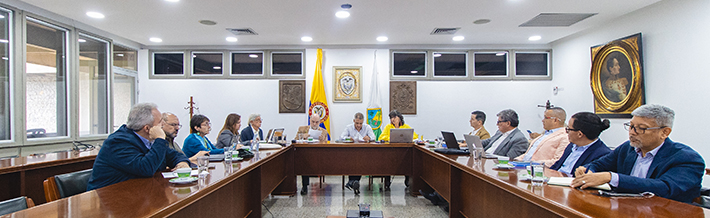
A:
(555, 19)
(445, 31)
(242, 31)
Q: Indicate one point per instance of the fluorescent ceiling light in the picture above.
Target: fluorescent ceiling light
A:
(500, 53)
(458, 38)
(156, 39)
(535, 38)
(119, 54)
(4, 41)
(253, 55)
(231, 39)
(94, 14)
(2, 16)
(414, 71)
(306, 39)
(342, 14)
(81, 40)
(5, 58)
(436, 55)
(217, 67)
(382, 38)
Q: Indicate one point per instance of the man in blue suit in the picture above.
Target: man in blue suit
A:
(136, 150)
(649, 161)
(583, 131)
(254, 127)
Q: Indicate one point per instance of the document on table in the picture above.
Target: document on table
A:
(567, 181)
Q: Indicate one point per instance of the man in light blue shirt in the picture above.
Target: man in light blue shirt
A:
(583, 131)
(357, 132)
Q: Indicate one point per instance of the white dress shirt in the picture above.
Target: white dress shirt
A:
(315, 133)
(353, 133)
(499, 141)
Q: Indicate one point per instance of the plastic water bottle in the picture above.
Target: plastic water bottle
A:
(228, 155)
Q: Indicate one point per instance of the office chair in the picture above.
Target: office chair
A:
(15, 204)
(65, 185)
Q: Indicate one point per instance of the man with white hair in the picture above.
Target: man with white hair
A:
(136, 150)
(253, 129)
(649, 161)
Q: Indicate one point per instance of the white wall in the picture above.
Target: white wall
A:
(675, 49)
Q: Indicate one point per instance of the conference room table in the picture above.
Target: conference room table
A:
(237, 189)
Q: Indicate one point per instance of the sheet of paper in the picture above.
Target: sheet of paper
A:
(169, 175)
(567, 181)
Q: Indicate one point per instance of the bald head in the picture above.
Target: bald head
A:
(315, 121)
(172, 124)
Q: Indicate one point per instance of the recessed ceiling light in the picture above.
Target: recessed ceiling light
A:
(481, 21)
(458, 38)
(172, 0)
(500, 53)
(231, 39)
(81, 40)
(217, 67)
(253, 55)
(306, 39)
(382, 38)
(342, 14)
(535, 38)
(436, 55)
(414, 71)
(94, 14)
(156, 39)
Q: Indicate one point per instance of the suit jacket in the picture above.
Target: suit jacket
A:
(225, 139)
(675, 173)
(124, 156)
(482, 133)
(304, 130)
(248, 134)
(550, 148)
(595, 151)
(512, 146)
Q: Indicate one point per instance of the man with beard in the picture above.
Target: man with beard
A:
(649, 161)
(171, 127)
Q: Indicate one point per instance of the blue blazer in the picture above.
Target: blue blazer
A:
(123, 156)
(193, 144)
(675, 173)
(248, 134)
(595, 151)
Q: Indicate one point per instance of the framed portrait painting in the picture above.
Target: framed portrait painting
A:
(617, 77)
(347, 84)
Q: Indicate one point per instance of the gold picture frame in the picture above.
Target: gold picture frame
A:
(347, 84)
(617, 77)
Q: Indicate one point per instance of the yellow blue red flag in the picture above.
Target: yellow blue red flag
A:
(319, 103)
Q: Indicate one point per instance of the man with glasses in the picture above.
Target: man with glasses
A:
(508, 140)
(253, 129)
(583, 131)
(649, 161)
(549, 146)
(171, 126)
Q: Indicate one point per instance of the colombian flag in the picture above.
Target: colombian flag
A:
(319, 103)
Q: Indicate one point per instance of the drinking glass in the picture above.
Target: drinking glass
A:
(477, 155)
(202, 162)
(538, 176)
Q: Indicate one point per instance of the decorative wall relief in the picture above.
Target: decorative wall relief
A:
(292, 96)
(403, 96)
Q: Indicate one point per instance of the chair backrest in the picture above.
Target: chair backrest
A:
(50, 189)
(72, 183)
(15, 204)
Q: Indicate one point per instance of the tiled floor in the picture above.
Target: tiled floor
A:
(331, 199)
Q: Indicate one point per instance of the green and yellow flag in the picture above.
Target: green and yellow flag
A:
(319, 103)
(374, 108)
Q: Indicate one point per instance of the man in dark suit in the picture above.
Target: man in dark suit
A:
(583, 131)
(649, 161)
(136, 150)
(248, 133)
(508, 140)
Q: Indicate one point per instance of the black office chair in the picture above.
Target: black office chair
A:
(15, 204)
(66, 185)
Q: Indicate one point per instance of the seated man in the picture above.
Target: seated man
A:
(508, 140)
(583, 132)
(315, 131)
(171, 126)
(136, 150)
(478, 118)
(358, 132)
(649, 161)
(548, 147)
(252, 130)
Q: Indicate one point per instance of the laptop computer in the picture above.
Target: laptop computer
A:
(273, 133)
(473, 141)
(451, 144)
(401, 135)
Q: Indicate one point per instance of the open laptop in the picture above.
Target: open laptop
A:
(473, 141)
(271, 137)
(401, 135)
(451, 144)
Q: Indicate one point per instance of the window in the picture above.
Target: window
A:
(204, 63)
(491, 64)
(287, 63)
(450, 64)
(409, 63)
(46, 80)
(125, 58)
(531, 64)
(247, 63)
(5, 69)
(124, 89)
(168, 63)
(93, 86)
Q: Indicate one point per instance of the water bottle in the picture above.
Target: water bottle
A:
(227, 155)
(257, 145)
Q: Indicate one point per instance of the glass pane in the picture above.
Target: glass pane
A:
(46, 96)
(531, 64)
(93, 105)
(125, 58)
(449, 64)
(409, 64)
(5, 75)
(207, 63)
(124, 89)
(286, 63)
(167, 63)
(491, 64)
(248, 63)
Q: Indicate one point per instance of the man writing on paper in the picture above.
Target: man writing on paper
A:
(549, 147)
(649, 161)
(357, 132)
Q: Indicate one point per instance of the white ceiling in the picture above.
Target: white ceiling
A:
(284, 22)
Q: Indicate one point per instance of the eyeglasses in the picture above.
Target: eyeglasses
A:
(640, 130)
(550, 118)
(175, 125)
(208, 124)
(567, 129)
(501, 121)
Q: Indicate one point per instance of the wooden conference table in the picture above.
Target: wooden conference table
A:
(237, 190)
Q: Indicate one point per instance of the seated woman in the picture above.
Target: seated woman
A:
(230, 132)
(396, 121)
(199, 127)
